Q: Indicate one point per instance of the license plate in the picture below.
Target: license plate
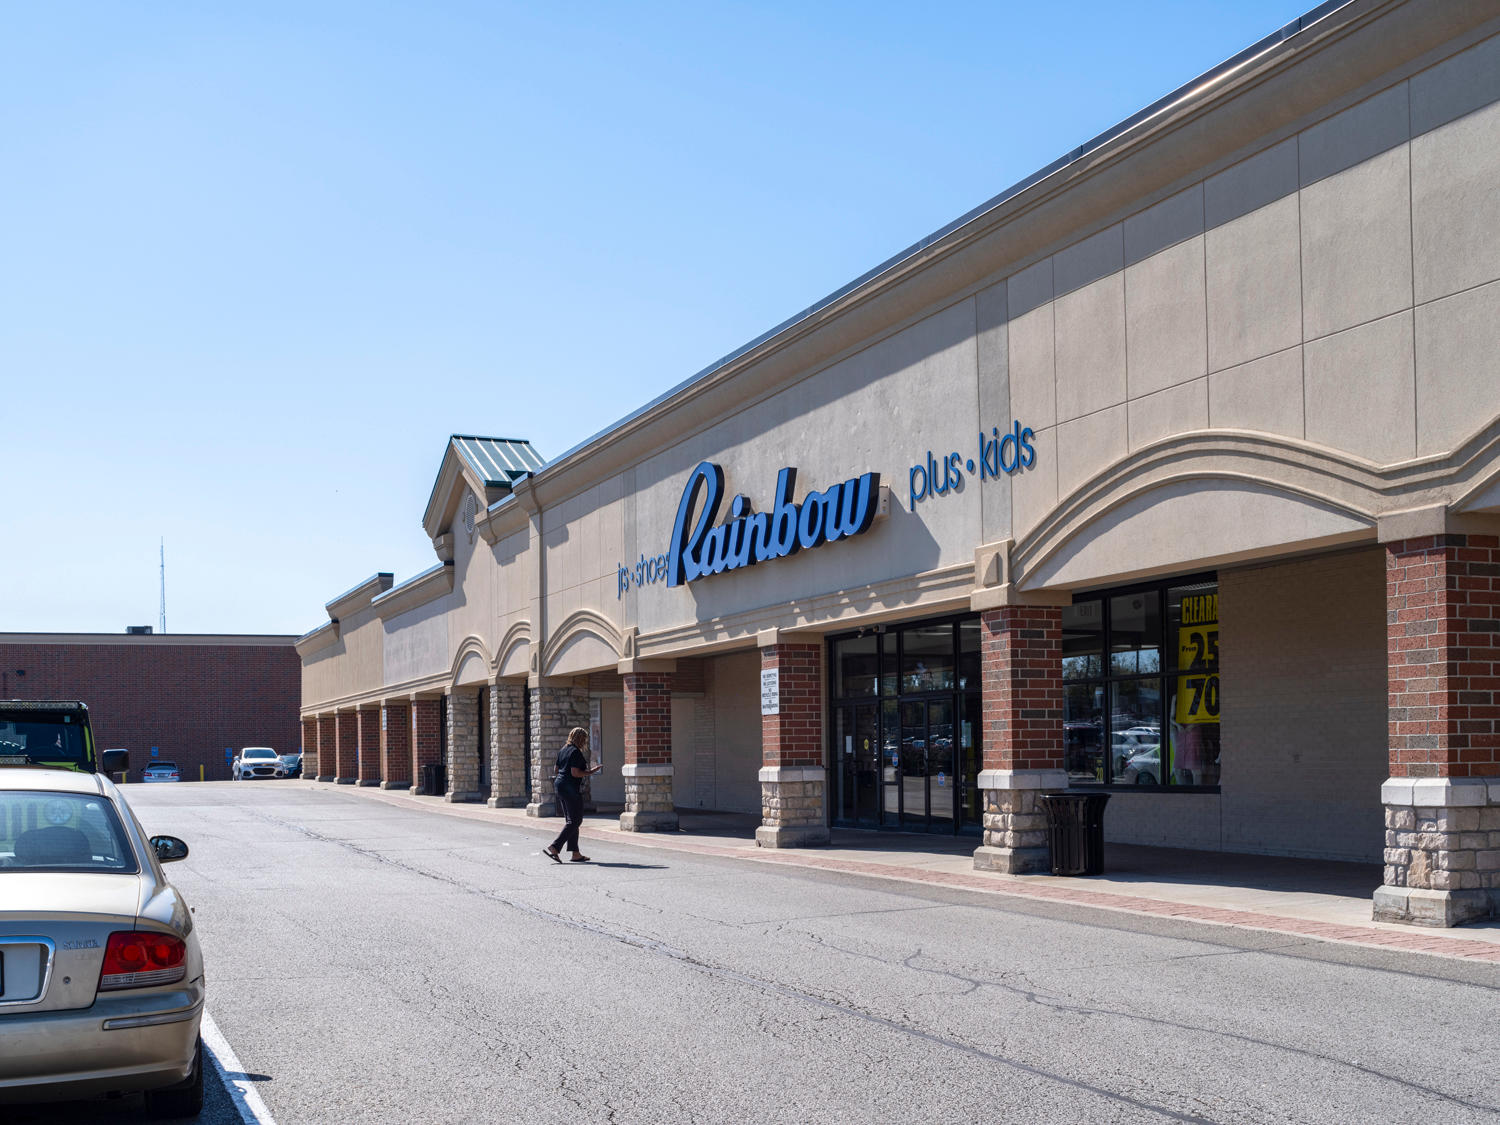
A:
(21, 967)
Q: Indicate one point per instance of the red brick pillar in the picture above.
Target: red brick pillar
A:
(367, 750)
(327, 747)
(648, 753)
(793, 812)
(1442, 801)
(395, 747)
(310, 747)
(346, 747)
(1022, 713)
(426, 737)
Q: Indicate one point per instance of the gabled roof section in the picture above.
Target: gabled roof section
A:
(489, 467)
(499, 462)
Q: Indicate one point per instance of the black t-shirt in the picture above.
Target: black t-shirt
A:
(568, 759)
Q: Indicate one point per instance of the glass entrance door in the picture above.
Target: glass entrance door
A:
(857, 743)
(906, 727)
(928, 784)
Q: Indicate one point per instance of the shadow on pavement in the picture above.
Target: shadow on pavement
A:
(218, 1108)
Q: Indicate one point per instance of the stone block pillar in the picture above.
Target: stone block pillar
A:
(556, 708)
(463, 747)
(367, 752)
(395, 747)
(509, 761)
(1022, 717)
(1442, 801)
(647, 767)
(426, 736)
(309, 748)
(327, 760)
(347, 748)
(792, 777)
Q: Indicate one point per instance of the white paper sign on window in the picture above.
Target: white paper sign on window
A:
(770, 691)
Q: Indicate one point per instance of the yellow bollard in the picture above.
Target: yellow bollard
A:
(200, 773)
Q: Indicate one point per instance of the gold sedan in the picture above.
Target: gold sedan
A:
(101, 976)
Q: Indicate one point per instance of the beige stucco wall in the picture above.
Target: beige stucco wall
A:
(1230, 366)
(1303, 725)
(1337, 288)
(416, 642)
(352, 665)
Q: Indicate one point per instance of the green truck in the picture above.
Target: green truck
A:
(53, 733)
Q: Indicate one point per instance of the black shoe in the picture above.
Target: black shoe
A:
(552, 855)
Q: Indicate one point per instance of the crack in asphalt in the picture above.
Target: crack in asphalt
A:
(657, 947)
(1030, 993)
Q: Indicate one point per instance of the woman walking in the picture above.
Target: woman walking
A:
(572, 768)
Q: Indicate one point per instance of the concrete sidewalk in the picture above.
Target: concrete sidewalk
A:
(1310, 898)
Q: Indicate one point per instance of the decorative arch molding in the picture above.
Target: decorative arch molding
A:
(514, 651)
(472, 663)
(578, 627)
(1327, 495)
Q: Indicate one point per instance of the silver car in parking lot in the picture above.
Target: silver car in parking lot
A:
(101, 976)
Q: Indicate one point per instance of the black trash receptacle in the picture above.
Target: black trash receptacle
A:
(434, 779)
(1075, 832)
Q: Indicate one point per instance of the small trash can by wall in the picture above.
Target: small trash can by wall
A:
(434, 779)
(1075, 832)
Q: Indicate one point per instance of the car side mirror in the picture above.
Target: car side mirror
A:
(169, 848)
(115, 761)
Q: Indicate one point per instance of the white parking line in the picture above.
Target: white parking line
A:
(252, 1110)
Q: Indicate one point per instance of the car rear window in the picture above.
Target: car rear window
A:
(42, 831)
(259, 752)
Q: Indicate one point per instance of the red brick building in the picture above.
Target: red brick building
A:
(189, 696)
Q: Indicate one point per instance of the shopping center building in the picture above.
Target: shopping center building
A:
(1173, 471)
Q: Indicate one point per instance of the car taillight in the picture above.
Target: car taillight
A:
(139, 958)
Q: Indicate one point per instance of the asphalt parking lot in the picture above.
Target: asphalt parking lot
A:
(374, 963)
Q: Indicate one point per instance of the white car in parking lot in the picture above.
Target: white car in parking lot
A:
(256, 761)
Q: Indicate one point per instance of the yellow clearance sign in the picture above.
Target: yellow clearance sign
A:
(1198, 660)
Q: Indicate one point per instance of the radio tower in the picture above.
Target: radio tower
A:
(163, 625)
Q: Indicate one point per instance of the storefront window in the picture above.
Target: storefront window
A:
(1149, 714)
(1135, 633)
(927, 659)
(1193, 705)
(1083, 641)
(1083, 732)
(968, 655)
(857, 665)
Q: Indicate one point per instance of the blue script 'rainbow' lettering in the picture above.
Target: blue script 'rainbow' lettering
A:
(699, 547)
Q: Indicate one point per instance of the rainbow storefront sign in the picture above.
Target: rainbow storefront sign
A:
(700, 547)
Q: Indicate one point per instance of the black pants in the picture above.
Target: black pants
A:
(571, 806)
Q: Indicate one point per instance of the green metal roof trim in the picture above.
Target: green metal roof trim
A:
(498, 461)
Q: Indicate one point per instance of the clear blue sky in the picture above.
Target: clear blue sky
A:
(258, 260)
